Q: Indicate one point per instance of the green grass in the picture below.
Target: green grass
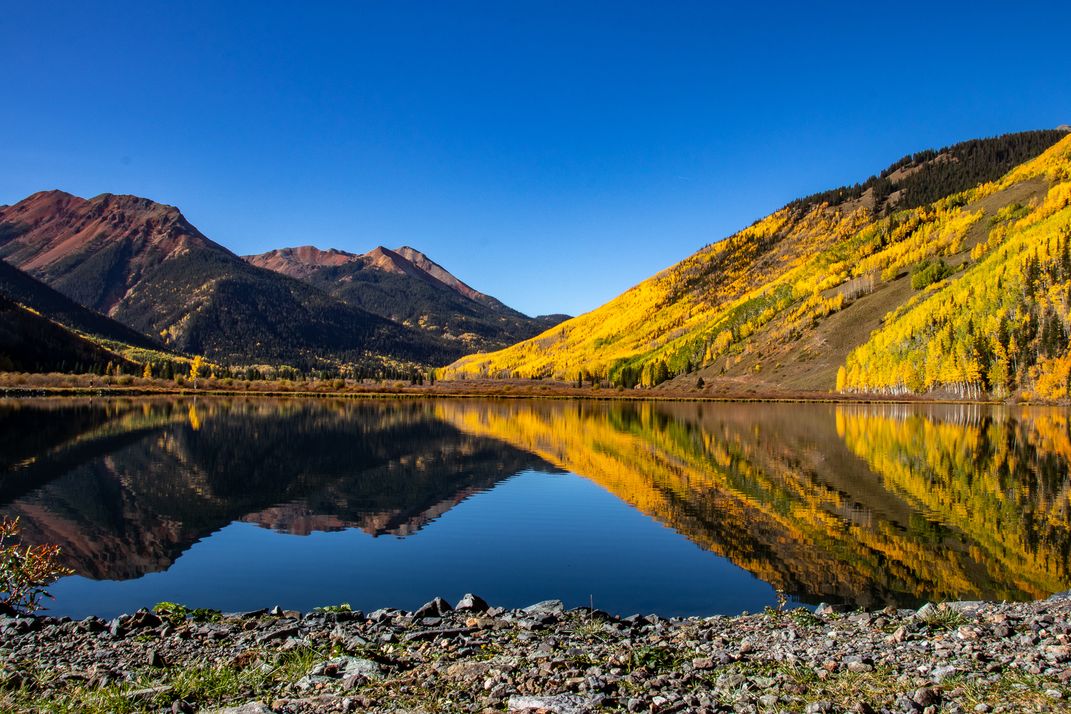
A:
(203, 684)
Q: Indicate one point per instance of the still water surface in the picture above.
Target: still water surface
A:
(675, 508)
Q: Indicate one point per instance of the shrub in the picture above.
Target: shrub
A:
(26, 570)
(927, 273)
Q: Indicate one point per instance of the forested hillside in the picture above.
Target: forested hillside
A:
(954, 263)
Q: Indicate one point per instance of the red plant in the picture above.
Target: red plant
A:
(26, 570)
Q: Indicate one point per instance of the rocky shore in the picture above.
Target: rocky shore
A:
(954, 657)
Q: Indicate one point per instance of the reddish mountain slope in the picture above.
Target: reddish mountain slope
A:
(143, 264)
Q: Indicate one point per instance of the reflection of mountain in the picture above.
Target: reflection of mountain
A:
(856, 503)
(774, 489)
(295, 466)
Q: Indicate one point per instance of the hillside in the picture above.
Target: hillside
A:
(30, 292)
(30, 342)
(406, 286)
(907, 282)
(44, 331)
(143, 264)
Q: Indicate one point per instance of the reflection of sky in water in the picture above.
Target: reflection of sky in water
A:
(532, 537)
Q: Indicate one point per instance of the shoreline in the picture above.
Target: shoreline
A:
(470, 657)
(509, 391)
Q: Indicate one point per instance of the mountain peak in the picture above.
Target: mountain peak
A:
(438, 272)
(49, 229)
(301, 261)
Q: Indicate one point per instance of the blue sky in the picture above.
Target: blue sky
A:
(549, 153)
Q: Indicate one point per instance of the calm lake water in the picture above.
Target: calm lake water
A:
(675, 508)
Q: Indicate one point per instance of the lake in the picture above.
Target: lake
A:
(677, 508)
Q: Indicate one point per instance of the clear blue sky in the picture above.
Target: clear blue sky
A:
(549, 153)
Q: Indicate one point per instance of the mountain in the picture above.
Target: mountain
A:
(30, 292)
(948, 273)
(30, 342)
(406, 286)
(42, 330)
(143, 264)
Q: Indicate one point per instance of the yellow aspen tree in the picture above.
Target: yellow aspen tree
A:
(195, 369)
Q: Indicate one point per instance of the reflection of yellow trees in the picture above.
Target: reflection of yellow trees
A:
(726, 486)
(1002, 482)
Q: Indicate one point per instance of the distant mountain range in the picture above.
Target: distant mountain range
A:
(144, 265)
(948, 273)
(406, 286)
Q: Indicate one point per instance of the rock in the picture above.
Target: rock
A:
(546, 607)
(434, 608)
(905, 704)
(92, 624)
(473, 603)
(144, 619)
(926, 611)
(925, 696)
(280, 634)
(823, 609)
(155, 660)
(252, 614)
(556, 704)
(149, 692)
(940, 674)
(342, 667)
(899, 635)
(969, 608)
(247, 708)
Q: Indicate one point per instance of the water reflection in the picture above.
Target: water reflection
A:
(860, 504)
(144, 481)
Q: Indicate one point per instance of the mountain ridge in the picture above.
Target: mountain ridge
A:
(756, 311)
(406, 286)
(143, 264)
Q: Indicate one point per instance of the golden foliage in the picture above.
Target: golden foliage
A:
(781, 276)
(721, 483)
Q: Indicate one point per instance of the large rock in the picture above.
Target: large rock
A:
(247, 708)
(434, 608)
(556, 704)
(472, 603)
(547, 607)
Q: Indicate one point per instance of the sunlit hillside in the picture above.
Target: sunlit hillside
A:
(957, 266)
